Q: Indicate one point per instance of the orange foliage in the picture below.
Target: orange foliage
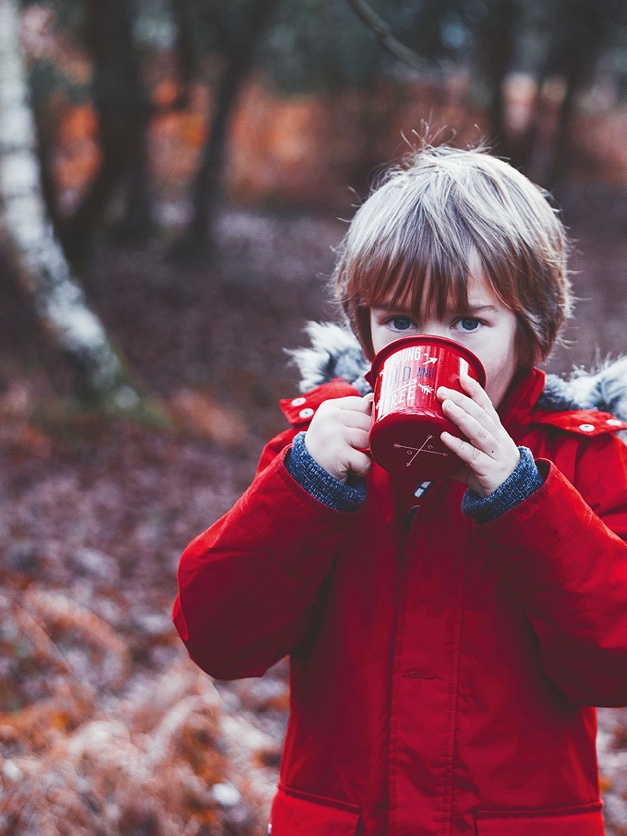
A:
(310, 149)
(78, 154)
(163, 754)
(299, 150)
(176, 139)
(80, 123)
(600, 140)
(165, 92)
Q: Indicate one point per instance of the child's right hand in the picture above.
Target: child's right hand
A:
(338, 435)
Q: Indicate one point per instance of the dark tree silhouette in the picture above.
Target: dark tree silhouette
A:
(124, 110)
(580, 34)
(206, 188)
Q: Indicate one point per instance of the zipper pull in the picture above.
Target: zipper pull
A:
(419, 493)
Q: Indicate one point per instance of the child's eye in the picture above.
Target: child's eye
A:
(400, 323)
(468, 324)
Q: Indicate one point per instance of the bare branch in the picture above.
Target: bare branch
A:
(384, 36)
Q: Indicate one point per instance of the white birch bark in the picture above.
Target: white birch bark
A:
(28, 237)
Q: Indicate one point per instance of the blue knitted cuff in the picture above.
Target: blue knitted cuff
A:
(525, 480)
(320, 484)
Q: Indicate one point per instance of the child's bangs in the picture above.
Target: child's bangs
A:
(425, 281)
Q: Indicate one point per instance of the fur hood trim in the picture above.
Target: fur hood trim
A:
(335, 352)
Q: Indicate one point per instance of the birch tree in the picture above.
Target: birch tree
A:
(34, 253)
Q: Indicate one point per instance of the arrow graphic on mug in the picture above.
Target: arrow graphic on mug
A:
(417, 450)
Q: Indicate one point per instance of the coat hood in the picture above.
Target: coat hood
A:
(335, 352)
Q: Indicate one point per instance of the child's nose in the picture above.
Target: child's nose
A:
(434, 329)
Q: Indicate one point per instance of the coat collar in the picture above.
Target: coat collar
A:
(526, 404)
(522, 397)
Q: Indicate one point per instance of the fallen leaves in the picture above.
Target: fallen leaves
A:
(200, 414)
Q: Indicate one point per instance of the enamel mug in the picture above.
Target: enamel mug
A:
(407, 417)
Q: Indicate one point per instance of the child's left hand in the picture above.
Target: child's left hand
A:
(490, 453)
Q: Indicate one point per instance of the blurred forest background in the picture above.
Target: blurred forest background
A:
(173, 177)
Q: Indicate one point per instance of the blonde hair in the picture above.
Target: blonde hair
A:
(414, 239)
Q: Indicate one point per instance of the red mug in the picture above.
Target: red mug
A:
(407, 417)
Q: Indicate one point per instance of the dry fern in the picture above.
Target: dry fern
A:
(69, 623)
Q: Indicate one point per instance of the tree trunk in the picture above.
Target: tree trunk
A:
(184, 49)
(33, 250)
(583, 39)
(124, 111)
(205, 191)
(579, 30)
(496, 42)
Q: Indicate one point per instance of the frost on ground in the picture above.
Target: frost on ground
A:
(105, 725)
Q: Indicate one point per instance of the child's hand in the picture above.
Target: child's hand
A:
(338, 436)
(490, 454)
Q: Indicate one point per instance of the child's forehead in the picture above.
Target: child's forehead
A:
(473, 295)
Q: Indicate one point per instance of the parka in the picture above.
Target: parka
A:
(443, 674)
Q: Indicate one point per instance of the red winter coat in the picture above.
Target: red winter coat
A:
(442, 677)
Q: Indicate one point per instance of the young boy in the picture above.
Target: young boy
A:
(447, 641)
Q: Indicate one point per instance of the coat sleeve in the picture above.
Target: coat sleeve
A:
(249, 586)
(563, 551)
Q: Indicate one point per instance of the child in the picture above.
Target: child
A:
(447, 642)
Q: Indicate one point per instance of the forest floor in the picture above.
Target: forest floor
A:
(105, 725)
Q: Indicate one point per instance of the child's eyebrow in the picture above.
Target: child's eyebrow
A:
(475, 309)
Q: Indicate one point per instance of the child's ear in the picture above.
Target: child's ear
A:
(536, 355)
(528, 353)
(361, 329)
